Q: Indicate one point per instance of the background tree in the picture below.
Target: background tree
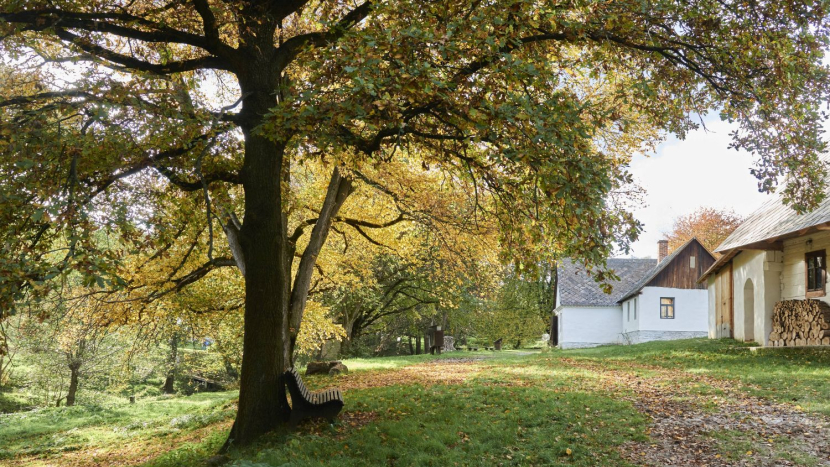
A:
(143, 108)
(520, 309)
(711, 227)
(69, 345)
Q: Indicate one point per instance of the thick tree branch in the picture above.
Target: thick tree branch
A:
(339, 189)
(215, 44)
(294, 46)
(39, 20)
(209, 62)
(199, 273)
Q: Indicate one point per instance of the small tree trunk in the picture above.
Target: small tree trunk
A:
(411, 349)
(417, 345)
(230, 369)
(172, 364)
(554, 323)
(74, 367)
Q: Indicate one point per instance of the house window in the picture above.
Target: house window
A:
(691, 262)
(635, 309)
(816, 263)
(666, 307)
(628, 306)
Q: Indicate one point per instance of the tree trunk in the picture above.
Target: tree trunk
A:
(229, 369)
(171, 365)
(273, 311)
(417, 345)
(74, 367)
(411, 349)
(554, 324)
(263, 404)
(338, 190)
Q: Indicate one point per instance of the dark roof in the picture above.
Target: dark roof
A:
(578, 288)
(638, 286)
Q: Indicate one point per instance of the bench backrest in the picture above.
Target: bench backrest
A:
(299, 383)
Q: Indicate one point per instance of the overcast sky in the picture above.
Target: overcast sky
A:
(683, 175)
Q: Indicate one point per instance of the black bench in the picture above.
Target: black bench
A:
(307, 404)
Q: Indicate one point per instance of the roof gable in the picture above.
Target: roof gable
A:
(676, 260)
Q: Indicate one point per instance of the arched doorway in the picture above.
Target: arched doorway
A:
(749, 311)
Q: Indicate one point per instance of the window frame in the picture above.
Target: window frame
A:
(819, 291)
(668, 306)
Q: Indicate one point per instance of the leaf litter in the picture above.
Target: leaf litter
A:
(698, 420)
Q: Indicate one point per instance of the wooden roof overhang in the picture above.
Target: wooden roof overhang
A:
(769, 244)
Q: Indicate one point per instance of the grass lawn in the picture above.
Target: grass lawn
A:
(799, 376)
(696, 401)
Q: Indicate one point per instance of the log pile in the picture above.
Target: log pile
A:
(800, 322)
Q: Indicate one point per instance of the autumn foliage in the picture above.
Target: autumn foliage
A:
(709, 225)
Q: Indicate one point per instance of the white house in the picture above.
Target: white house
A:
(653, 300)
(774, 255)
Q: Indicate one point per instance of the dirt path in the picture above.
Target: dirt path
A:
(703, 421)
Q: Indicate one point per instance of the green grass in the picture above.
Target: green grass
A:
(797, 376)
(391, 363)
(53, 430)
(510, 409)
(516, 411)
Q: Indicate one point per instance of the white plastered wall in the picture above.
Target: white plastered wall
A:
(763, 268)
(691, 309)
(710, 289)
(589, 326)
(793, 268)
(631, 314)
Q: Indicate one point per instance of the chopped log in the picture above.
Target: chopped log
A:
(800, 322)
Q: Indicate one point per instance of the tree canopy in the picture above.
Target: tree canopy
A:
(158, 128)
(709, 225)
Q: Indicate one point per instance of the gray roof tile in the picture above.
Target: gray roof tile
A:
(578, 288)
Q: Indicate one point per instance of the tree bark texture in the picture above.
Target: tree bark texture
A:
(262, 401)
(554, 324)
(169, 381)
(263, 404)
(74, 368)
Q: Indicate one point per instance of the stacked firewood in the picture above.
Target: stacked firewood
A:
(800, 322)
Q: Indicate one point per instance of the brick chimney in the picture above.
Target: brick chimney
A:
(662, 250)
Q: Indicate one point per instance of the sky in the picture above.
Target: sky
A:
(684, 175)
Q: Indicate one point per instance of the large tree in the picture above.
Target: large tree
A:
(115, 114)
